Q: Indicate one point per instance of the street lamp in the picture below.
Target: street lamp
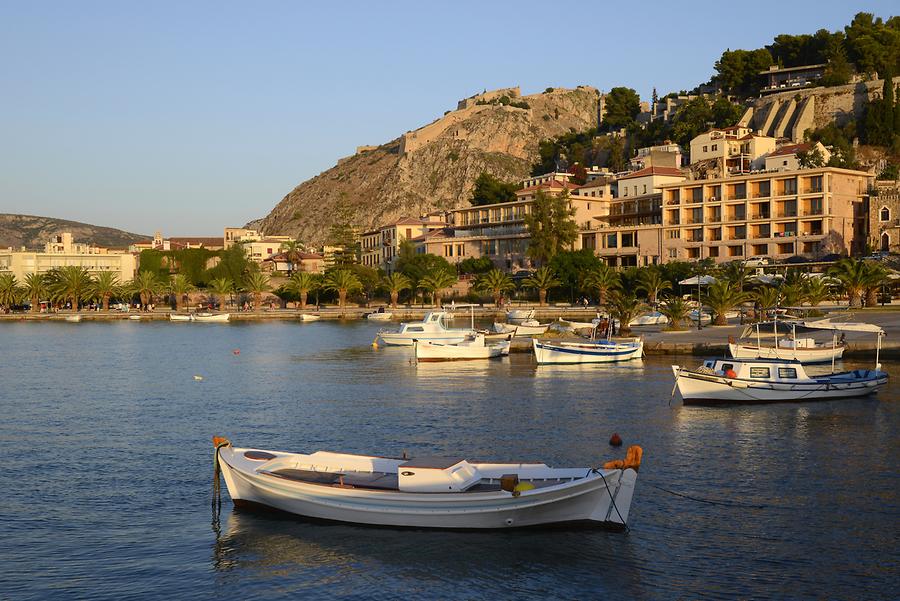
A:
(699, 302)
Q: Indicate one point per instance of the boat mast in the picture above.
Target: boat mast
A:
(833, 349)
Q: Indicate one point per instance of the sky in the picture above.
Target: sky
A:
(186, 117)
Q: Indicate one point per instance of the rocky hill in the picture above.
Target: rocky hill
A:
(435, 166)
(32, 232)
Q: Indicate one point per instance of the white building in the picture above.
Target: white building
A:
(62, 251)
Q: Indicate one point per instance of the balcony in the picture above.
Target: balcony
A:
(786, 214)
(761, 216)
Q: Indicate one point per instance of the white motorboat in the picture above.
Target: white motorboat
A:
(653, 318)
(791, 347)
(762, 381)
(309, 317)
(705, 317)
(134, 317)
(212, 317)
(181, 317)
(431, 328)
(380, 315)
(72, 318)
(528, 327)
(596, 351)
(576, 325)
(470, 348)
(514, 315)
(429, 492)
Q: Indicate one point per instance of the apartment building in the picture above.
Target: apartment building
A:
(740, 149)
(380, 247)
(62, 251)
(627, 231)
(811, 212)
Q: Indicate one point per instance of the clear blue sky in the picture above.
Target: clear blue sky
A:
(189, 116)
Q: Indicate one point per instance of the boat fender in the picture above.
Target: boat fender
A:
(522, 487)
(615, 440)
(632, 460)
(730, 373)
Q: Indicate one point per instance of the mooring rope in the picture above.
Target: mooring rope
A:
(712, 501)
(612, 499)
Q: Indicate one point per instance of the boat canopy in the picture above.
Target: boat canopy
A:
(846, 326)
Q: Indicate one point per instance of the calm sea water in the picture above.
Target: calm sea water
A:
(107, 472)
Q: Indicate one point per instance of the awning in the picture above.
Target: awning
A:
(702, 280)
(846, 326)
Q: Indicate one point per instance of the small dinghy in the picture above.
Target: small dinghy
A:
(181, 317)
(471, 348)
(517, 315)
(134, 317)
(528, 327)
(428, 492)
(309, 317)
(654, 318)
(72, 318)
(595, 351)
(212, 317)
(380, 315)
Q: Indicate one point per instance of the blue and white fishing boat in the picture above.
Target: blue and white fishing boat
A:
(593, 351)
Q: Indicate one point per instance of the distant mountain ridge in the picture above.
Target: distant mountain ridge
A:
(33, 232)
(435, 166)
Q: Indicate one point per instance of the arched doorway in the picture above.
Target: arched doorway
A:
(885, 242)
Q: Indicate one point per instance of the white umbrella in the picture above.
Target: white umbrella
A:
(698, 280)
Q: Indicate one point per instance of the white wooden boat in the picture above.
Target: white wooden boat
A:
(597, 351)
(469, 349)
(181, 317)
(528, 327)
(73, 318)
(514, 315)
(212, 317)
(653, 318)
(429, 492)
(790, 347)
(431, 328)
(761, 381)
(380, 316)
(134, 317)
(309, 317)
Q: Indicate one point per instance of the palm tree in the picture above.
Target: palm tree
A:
(624, 307)
(9, 290)
(677, 310)
(792, 294)
(496, 282)
(651, 281)
(257, 284)
(396, 283)
(35, 289)
(854, 277)
(815, 290)
(344, 282)
(146, 284)
(179, 286)
(723, 296)
(603, 279)
(436, 281)
(106, 285)
(220, 287)
(542, 280)
(876, 278)
(301, 284)
(766, 297)
(735, 272)
(72, 283)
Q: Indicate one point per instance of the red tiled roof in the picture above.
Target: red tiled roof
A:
(790, 149)
(647, 171)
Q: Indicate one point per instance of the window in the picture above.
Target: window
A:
(460, 250)
(727, 367)
(448, 250)
(704, 149)
(645, 188)
(759, 372)
(715, 147)
(787, 373)
(415, 329)
(408, 233)
(673, 234)
(673, 253)
(884, 214)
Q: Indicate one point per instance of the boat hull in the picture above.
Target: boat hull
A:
(576, 353)
(588, 499)
(379, 316)
(217, 318)
(703, 389)
(428, 351)
(447, 337)
(803, 355)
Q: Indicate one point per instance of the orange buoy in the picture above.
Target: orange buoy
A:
(615, 440)
(236, 351)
